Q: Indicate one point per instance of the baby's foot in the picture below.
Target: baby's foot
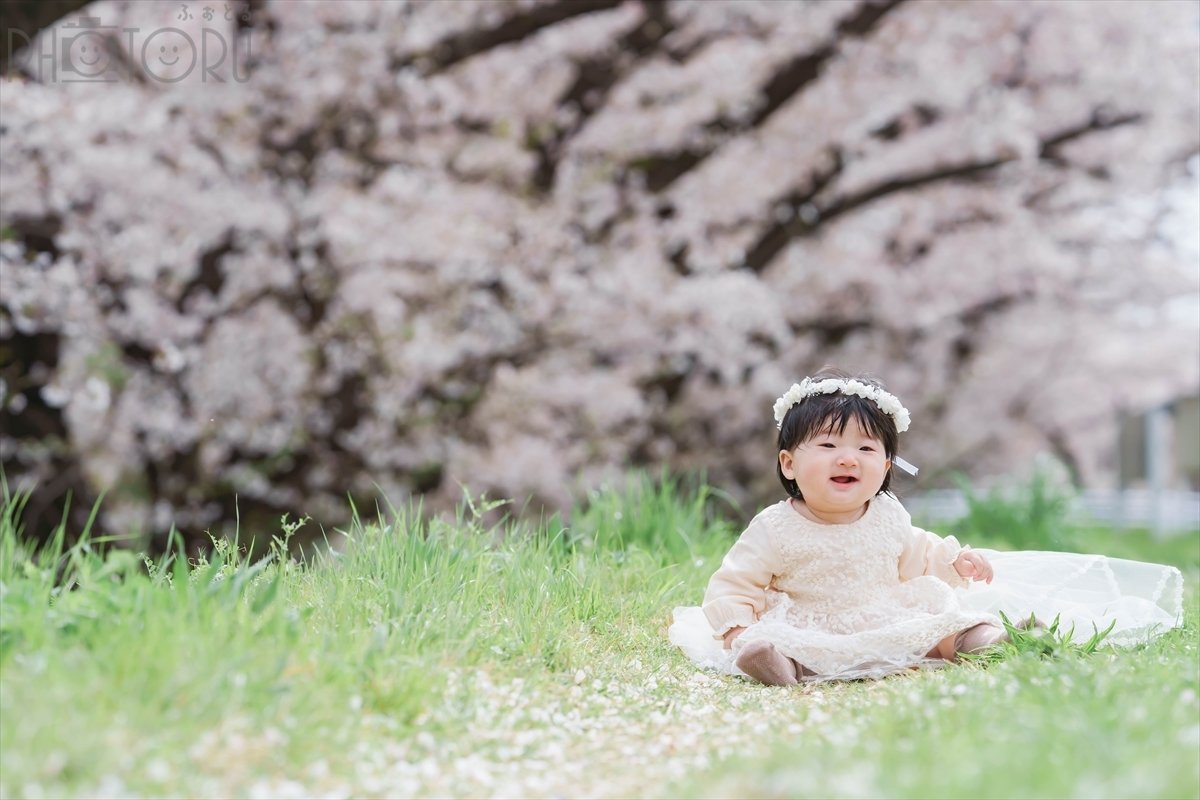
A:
(980, 637)
(761, 661)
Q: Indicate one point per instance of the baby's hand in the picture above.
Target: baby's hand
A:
(732, 634)
(970, 564)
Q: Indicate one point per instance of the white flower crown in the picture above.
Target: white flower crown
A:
(887, 403)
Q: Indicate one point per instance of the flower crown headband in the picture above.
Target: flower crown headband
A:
(887, 403)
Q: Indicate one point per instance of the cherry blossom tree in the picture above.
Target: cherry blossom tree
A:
(522, 246)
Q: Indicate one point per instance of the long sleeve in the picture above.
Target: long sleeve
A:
(927, 553)
(737, 591)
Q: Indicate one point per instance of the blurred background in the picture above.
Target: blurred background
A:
(261, 257)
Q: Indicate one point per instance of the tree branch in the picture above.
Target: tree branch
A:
(594, 81)
(461, 46)
(776, 237)
(787, 82)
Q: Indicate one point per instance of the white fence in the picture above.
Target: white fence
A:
(1170, 513)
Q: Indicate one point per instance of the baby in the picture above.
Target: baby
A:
(835, 581)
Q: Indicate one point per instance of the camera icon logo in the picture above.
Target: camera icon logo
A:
(87, 50)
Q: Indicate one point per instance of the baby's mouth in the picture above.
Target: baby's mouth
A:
(844, 479)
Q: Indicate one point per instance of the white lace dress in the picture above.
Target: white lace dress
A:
(872, 597)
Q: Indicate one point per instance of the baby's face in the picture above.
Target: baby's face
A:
(837, 472)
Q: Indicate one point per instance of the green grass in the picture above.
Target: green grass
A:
(440, 658)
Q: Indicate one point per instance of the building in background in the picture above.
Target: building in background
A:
(1159, 467)
(1161, 447)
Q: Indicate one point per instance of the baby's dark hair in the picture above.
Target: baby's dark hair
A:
(823, 413)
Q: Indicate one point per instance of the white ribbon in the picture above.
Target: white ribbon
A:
(904, 465)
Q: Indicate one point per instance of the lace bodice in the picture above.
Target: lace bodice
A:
(824, 570)
(827, 567)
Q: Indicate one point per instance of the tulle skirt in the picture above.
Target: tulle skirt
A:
(1086, 593)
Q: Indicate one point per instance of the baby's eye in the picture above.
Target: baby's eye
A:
(825, 444)
(868, 448)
